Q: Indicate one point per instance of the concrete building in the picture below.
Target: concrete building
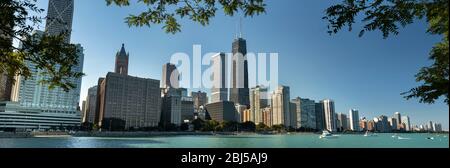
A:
(393, 124)
(128, 102)
(240, 110)
(330, 121)
(343, 122)
(406, 123)
(293, 115)
(219, 91)
(305, 110)
(266, 114)
(371, 126)
(20, 118)
(222, 111)
(362, 124)
(281, 107)
(258, 100)
(246, 115)
(398, 117)
(354, 119)
(187, 109)
(171, 106)
(90, 106)
(383, 124)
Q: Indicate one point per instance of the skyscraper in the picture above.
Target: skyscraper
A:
(398, 117)
(121, 66)
(354, 119)
(59, 18)
(267, 116)
(330, 121)
(258, 100)
(320, 119)
(219, 92)
(342, 124)
(239, 92)
(170, 76)
(383, 124)
(305, 110)
(393, 123)
(406, 122)
(45, 107)
(171, 106)
(91, 105)
(281, 106)
(32, 93)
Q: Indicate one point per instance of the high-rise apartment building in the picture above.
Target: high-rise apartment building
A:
(90, 106)
(406, 123)
(219, 90)
(354, 119)
(281, 106)
(329, 114)
(258, 101)
(305, 110)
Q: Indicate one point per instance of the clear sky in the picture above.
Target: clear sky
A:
(367, 73)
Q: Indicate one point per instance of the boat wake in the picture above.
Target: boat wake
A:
(402, 138)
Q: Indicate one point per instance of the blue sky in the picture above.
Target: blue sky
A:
(367, 73)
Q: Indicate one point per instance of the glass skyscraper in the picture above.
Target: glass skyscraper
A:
(32, 98)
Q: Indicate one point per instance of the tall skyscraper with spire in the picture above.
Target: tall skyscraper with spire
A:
(239, 91)
(122, 61)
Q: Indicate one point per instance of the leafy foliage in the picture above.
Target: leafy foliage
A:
(388, 16)
(168, 12)
(51, 54)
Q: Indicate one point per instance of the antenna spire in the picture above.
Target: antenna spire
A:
(240, 27)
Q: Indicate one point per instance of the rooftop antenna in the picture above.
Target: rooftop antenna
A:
(240, 27)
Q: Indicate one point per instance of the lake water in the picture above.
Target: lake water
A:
(236, 141)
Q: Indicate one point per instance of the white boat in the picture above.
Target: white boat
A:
(394, 136)
(326, 134)
(368, 134)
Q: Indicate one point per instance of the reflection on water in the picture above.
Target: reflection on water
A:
(236, 141)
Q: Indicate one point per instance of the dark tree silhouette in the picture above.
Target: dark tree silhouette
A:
(388, 16)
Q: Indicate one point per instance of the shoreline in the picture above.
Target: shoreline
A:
(155, 134)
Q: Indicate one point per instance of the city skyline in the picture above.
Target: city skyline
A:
(344, 98)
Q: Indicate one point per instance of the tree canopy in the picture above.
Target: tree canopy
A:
(168, 12)
(388, 16)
